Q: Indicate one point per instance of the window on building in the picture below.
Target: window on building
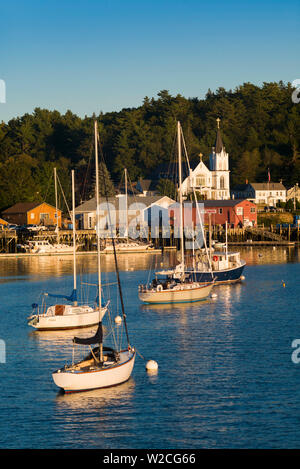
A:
(200, 180)
(44, 217)
(220, 211)
(252, 210)
(239, 211)
(222, 182)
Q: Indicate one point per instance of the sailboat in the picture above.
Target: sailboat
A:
(175, 286)
(126, 245)
(103, 366)
(227, 266)
(65, 316)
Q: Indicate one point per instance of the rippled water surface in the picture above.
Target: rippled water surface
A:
(225, 378)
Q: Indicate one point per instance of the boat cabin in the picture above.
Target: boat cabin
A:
(221, 260)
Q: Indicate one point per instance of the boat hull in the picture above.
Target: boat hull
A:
(99, 378)
(220, 276)
(43, 322)
(186, 295)
(127, 249)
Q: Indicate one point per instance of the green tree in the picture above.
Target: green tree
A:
(166, 187)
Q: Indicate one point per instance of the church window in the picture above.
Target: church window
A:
(222, 182)
(200, 180)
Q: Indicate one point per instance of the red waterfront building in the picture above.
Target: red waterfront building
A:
(218, 212)
(235, 212)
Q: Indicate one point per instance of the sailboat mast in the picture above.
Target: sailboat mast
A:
(74, 234)
(98, 231)
(180, 194)
(226, 241)
(126, 201)
(56, 204)
(209, 235)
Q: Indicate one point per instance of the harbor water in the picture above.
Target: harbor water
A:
(226, 378)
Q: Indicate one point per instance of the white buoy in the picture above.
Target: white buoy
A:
(243, 277)
(214, 295)
(118, 319)
(151, 365)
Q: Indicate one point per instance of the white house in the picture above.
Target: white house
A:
(212, 182)
(267, 193)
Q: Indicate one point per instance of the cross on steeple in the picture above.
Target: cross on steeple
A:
(218, 122)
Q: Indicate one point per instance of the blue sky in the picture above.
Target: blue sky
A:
(102, 55)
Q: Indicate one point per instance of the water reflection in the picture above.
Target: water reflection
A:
(56, 338)
(96, 399)
(254, 255)
(174, 309)
(41, 267)
(228, 294)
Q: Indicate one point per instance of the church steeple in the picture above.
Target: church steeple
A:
(219, 158)
(219, 143)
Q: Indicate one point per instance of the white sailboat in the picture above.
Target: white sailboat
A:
(103, 366)
(176, 286)
(65, 316)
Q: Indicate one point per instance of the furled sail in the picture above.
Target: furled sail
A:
(72, 297)
(96, 339)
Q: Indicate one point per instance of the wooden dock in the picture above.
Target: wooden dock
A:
(87, 239)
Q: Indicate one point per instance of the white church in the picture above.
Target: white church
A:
(212, 183)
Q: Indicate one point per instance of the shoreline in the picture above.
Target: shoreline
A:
(15, 255)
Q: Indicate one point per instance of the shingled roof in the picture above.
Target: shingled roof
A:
(21, 207)
(266, 186)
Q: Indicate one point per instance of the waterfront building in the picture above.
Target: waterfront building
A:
(33, 213)
(3, 222)
(237, 213)
(266, 193)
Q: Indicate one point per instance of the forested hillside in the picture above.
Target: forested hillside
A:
(260, 128)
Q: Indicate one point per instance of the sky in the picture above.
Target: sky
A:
(104, 55)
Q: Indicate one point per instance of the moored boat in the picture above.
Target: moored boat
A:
(169, 291)
(42, 246)
(227, 267)
(177, 286)
(65, 316)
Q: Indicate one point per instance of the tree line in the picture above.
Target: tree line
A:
(260, 127)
